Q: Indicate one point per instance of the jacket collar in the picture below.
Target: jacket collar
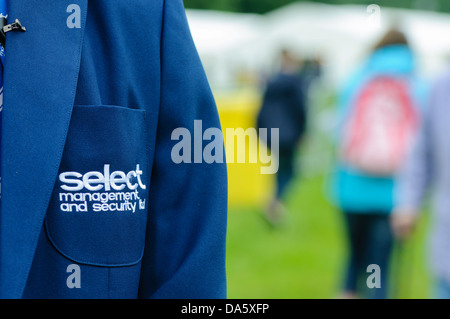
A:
(40, 78)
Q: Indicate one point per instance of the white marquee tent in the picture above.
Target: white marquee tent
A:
(341, 35)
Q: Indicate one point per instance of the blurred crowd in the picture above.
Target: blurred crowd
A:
(391, 147)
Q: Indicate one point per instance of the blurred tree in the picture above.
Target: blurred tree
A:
(263, 6)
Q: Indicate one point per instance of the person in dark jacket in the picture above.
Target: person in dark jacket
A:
(284, 108)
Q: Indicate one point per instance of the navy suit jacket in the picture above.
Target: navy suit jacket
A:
(87, 175)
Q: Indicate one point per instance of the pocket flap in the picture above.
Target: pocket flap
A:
(98, 209)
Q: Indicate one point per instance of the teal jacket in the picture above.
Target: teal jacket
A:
(352, 190)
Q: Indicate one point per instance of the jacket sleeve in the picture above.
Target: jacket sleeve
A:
(416, 175)
(185, 242)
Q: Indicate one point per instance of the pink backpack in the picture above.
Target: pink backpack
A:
(380, 128)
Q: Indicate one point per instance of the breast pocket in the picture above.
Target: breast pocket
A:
(98, 210)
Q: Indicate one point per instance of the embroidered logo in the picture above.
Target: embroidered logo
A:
(105, 191)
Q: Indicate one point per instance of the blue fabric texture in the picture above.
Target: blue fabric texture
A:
(90, 111)
(353, 190)
(3, 14)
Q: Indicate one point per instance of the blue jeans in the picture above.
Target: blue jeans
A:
(285, 172)
(370, 242)
(442, 289)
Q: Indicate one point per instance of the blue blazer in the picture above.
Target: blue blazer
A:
(87, 175)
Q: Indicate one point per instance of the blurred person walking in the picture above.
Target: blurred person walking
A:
(378, 117)
(428, 167)
(284, 108)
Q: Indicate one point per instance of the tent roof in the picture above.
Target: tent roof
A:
(340, 34)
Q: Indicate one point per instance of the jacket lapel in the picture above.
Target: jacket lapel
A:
(41, 72)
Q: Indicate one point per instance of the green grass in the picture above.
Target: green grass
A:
(304, 258)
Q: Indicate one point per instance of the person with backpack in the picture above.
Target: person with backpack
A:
(378, 117)
(284, 108)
